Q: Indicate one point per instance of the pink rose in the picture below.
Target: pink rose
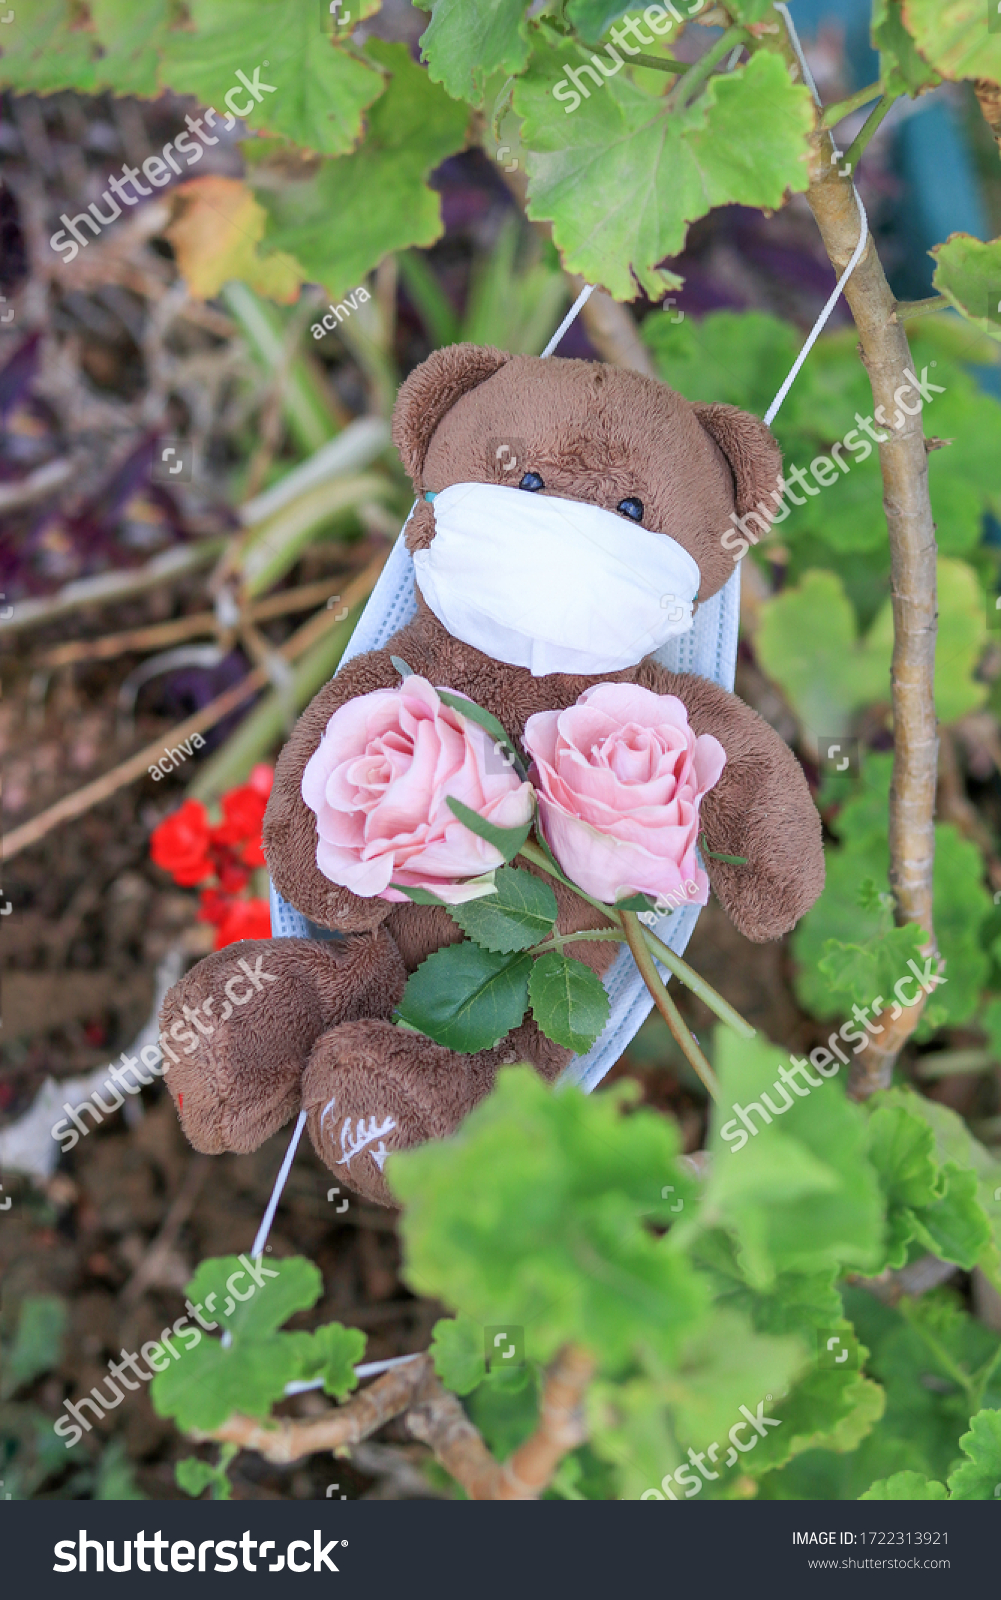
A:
(378, 784)
(619, 777)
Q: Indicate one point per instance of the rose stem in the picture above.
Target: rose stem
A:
(698, 985)
(634, 932)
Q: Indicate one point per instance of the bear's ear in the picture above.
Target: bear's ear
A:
(431, 390)
(751, 449)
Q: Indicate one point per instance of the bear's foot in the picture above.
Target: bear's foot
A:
(242, 1024)
(371, 1088)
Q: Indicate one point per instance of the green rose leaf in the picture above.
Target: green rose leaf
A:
(382, 187)
(953, 36)
(592, 173)
(273, 1291)
(475, 713)
(968, 272)
(464, 44)
(319, 89)
(457, 1354)
(332, 1352)
(519, 914)
(906, 1486)
(507, 840)
(466, 997)
(208, 1382)
(978, 1478)
(569, 1001)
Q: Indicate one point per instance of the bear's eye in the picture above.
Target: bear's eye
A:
(532, 482)
(631, 507)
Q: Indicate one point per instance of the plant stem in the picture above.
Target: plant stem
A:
(686, 88)
(911, 529)
(853, 154)
(556, 941)
(698, 985)
(844, 108)
(634, 932)
(659, 63)
(947, 1063)
(905, 310)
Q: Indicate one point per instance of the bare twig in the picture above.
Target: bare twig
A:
(74, 805)
(363, 1414)
(178, 1214)
(108, 586)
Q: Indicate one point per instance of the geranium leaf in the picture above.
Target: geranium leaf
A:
(331, 1351)
(978, 1477)
(208, 1382)
(465, 44)
(131, 38)
(320, 88)
(968, 272)
(288, 1285)
(901, 65)
(569, 1001)
(382, 186)
(519, 914)
(457, 1354)
(592, 173)
(507, 840)
(953, 36)
(466, 997)
(216, 238)
(44, 50)
(906, 1486)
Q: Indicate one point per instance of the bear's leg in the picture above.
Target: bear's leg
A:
(371, 1088)
(242, 1024)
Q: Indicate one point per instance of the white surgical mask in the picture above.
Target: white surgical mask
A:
(552, 585)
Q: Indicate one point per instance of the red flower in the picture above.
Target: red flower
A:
(180, 844)
(232, 877)
(213, 906)
(244, 919)
(243, 813)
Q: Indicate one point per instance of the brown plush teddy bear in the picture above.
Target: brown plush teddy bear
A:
(320, 1037)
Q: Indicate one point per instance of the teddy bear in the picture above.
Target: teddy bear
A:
(605, 460)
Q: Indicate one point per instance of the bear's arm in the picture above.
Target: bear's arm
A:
(761, 808)
(290, 826)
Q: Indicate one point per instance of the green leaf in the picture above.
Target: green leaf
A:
(557, 1241)
(901, 65)
(333, 1352)
(952, 35)
(320, 89)
(464, 44)
(519, 914)
(382, 187)
(115, 1475)
(978, 1478)
(592, 173)
(906, 1486)
(569, 1001)
(955, 1227)
(968, 272)
(826, 1410)
(507, 840)
(800, 1194)
(208, 1382)
(457, 1354)
(193, 1476)
(862, 971)
(132, 38)
(289, 1285)
(37, 1343)
(44, 50)
(466, 997)
(593, 18)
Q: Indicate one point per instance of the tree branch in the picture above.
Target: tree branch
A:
(911, 529)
